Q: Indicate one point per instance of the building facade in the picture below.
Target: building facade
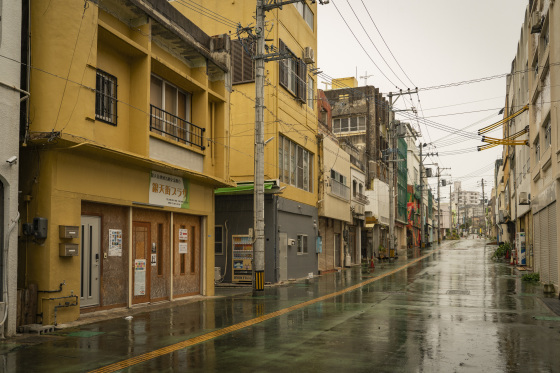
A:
(122, 158)
(290, 128)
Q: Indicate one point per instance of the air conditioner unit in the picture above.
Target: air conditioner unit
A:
(308, 55)
(291, 242)
(524, 198)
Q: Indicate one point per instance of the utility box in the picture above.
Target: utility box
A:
(68, 249)
(68, 231)
(40, 228)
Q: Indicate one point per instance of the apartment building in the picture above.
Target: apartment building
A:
(543, 19)
(291, 127)
(130, 110)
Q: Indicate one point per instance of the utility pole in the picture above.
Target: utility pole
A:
(439, 202)
(258, 190)
(483, 214)
(450, 210)
(421, 199)
(438, 210)
(391, 178)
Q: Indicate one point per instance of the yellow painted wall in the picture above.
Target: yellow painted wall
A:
(283, 114)
(350, 82)
(95, 161)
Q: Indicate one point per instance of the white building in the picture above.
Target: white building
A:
(10, 96)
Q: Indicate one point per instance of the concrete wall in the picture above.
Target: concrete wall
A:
(10, 44)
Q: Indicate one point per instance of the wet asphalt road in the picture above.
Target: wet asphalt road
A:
(454, 311)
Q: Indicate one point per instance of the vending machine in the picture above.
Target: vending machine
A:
(242, 262)
(521, 248)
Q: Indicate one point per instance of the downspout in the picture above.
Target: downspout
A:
(5, 273)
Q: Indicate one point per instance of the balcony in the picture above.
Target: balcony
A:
(340, 190)
(361, 198)
(169, 125)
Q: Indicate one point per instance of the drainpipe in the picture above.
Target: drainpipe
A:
(5, 273)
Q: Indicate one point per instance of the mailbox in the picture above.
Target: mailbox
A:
(68, 249)
(68, 231)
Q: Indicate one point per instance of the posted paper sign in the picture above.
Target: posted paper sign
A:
(169, 190)
(183, 247)
(183, 234)
(139, 277)
(115, 242)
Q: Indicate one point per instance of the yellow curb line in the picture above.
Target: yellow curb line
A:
(217, 333)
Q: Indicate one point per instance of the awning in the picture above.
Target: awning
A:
(270, 187)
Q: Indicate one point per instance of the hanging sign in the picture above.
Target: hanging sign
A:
(168, 190)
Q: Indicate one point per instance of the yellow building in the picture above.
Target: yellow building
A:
(125, 146)
(290, 123)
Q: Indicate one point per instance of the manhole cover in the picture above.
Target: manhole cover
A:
(458, 292)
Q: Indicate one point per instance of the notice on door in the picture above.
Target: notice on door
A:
(183, 247)
(183, 234)
(115, 242)
(139, 277)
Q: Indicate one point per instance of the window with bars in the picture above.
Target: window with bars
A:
(170, 109)
(106, 97)
(295, 164)
(243, 65)
(293, 74)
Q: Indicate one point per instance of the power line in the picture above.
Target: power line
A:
(370, 17)
(369, 37)
(366, 52)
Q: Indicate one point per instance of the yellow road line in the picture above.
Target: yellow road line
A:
(217, 333)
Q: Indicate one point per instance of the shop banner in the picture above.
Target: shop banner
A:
(168, 190)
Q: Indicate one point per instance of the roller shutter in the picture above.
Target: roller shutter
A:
(545, 259)
(552, 243)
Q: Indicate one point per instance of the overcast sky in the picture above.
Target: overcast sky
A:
(435, 42)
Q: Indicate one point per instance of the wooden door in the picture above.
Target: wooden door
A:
(141, 262)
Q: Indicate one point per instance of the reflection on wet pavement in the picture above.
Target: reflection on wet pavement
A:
(455, 310)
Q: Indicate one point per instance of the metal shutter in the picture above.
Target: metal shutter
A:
(552, 244)
(536, 244)
(545, 259)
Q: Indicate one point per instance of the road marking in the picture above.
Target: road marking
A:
(218, 333)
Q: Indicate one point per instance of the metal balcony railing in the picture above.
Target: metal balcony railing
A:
(169, 125)
(339, 189)
(361, 198)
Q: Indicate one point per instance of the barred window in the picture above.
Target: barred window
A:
(106, 97)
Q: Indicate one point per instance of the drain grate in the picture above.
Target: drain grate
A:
(458, 292)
